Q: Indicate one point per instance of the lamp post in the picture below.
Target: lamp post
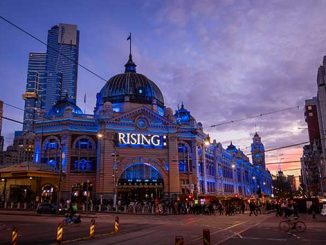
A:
(114, 168)
(62, 156)
(4, 189)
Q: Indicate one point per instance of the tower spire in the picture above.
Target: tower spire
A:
(130, 65)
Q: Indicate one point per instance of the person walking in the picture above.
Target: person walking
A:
(243, 207)
(252, 208)
(313, 209)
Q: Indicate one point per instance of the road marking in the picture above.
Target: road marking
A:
(238, 233)
(263, 238)
(218, 231)
(294, 235)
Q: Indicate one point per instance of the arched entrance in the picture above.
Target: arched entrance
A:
(140, 182)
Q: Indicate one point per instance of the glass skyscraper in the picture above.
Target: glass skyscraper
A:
(61, 63)
(52, 74)
(35, 89)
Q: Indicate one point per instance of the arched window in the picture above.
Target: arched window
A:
(83, 155)
(84, 143)
(51, 152)
(184, 158)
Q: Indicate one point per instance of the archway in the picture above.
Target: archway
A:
(140, 182)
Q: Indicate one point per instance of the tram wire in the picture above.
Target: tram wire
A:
(50, 47)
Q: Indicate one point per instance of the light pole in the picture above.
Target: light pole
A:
(62, 156)
(114, 168)
(4, 189)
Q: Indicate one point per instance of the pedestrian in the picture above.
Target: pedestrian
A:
(252, 208)
(243, 207)
(313, 209)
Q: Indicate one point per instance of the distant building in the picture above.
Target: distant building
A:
(22, 149)
(258, 152)
(1, 136)
(35, 89)
(291, 180)
(313, 161)
(281, 186)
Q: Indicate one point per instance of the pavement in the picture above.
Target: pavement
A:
(159, 229)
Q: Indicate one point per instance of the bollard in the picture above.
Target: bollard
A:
(84, 208)
(91, 209)
(116, 224)
(100, 208)
(125, 209)
(179, 240)
(14, 236)
(18, 205)
(5, 205)
(25, 205)
(206, 237)
(92, 229)
(12, 205)
(59, 234)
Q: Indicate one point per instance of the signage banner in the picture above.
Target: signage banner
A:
(141, 140)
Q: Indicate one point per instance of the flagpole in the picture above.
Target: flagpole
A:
(85, 103)
(130, 44)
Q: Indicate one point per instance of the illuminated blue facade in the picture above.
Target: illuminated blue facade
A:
(133, 147)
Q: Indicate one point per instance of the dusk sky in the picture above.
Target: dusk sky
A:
(225, 60)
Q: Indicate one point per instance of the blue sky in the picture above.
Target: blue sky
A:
(224, 59)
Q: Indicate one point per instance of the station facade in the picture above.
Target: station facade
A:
(135, 148)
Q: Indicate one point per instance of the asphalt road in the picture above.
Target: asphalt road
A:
(151, 229)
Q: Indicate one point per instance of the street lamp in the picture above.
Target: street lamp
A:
(62, 156)
(114, 168)
(4, 189)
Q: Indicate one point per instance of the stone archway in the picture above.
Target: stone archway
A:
(140, 182)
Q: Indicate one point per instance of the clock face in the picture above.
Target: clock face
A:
(141, 123)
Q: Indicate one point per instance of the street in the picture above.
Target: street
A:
(151, 229)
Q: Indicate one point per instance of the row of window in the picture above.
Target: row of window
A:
(211, 186)
(228, 188)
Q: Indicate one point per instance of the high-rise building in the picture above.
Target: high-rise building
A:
(52, 74)
(35, 89)
(61, 63)
(313, 161)
(258, 151)
(1, 137)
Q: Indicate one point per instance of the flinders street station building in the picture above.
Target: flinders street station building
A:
(132, 148)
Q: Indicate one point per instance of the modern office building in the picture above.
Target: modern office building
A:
(52, 74)
(1, 136)
(61, 63)
(313, 161)
(34, 95)
(133, 148)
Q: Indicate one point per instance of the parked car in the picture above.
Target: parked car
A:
(46, 208)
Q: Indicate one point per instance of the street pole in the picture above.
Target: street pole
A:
(60, 174)
(114, 180)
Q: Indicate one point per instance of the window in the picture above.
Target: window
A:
(83, 157)
(184, 159)
(84, 144)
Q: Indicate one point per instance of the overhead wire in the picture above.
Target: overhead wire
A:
(255, 116)
(52, 48)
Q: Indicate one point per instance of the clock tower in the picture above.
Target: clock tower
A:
(258, 152)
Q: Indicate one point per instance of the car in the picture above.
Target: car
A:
(46, 208)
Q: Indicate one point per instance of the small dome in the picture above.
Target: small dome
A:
(59, 108)
(130, 86)
(231, 147)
